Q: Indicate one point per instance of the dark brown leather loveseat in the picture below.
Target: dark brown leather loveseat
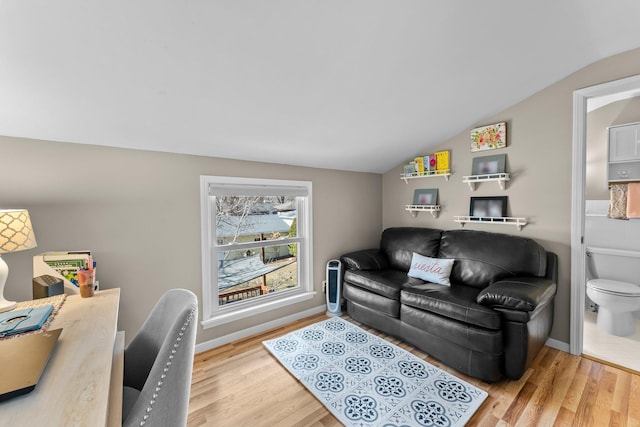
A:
(489, 323)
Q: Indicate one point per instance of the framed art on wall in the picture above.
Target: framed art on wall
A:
(425, 196)
(488, 207)
(488, 165)
(489, 137)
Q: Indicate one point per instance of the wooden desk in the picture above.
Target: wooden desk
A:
(74, 387)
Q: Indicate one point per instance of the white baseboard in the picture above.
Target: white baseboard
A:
(217, 342)
(558, 345)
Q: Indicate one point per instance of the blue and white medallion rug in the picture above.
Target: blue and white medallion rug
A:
(367, 381)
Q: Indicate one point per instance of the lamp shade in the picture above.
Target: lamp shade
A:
(16, 231)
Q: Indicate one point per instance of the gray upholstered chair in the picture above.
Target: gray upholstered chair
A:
(158, 364)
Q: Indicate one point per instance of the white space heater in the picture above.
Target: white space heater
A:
(334, 279)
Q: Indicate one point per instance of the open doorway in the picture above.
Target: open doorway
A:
(606, 92)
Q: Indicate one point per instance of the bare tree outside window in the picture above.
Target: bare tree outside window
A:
(250, 267)
(232, 211)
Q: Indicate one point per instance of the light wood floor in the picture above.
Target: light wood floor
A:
(241, 384)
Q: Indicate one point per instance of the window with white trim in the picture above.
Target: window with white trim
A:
(256, 246)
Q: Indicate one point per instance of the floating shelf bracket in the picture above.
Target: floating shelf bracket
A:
(519, 222)
(472, 180)
(445, 173)
(414, 209)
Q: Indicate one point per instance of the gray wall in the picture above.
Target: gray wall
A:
(123, 204)
(139, 212)
(539, 158)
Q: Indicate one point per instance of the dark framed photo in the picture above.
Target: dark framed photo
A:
(425, 196)
(488, 165)
(488, 207)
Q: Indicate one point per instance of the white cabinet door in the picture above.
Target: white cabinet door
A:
(624, 143)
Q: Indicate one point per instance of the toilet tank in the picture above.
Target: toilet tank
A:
(613, 266)
(615, 246)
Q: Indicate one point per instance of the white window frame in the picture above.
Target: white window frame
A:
(212, 313)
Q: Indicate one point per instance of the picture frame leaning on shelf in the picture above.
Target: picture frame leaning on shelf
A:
(489, 165)
(425, 196)
(488, 208)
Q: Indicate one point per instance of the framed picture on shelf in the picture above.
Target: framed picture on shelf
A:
(409, 170)
(488, 165)
(489, 137)
(425, 196)
(488, 207)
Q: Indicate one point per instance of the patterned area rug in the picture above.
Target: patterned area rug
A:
(367, 381)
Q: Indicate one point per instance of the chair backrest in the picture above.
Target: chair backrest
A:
(159, 360)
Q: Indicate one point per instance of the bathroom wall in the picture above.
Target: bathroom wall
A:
(601, 231)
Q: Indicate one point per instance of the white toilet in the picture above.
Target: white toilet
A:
(612, 268)
(617, 301)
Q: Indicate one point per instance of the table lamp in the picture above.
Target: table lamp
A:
(16, 234)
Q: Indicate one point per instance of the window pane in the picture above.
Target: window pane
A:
(242, 219)
(256, 272)
(256, 246)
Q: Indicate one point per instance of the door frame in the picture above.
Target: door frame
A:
(578, 267)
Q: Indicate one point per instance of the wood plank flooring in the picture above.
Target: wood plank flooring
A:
(241, 384)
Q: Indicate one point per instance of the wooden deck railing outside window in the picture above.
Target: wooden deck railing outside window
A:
(241, 294)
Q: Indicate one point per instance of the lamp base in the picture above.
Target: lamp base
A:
(6, 305)
(4, 272)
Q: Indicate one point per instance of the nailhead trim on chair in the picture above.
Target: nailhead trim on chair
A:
(166, 367)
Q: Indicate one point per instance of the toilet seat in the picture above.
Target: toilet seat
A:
(614, 287)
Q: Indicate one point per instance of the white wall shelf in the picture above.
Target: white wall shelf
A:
(472, 180)
(506, 220)
(445, 173)
(414, 209)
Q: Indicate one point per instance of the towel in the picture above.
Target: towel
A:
(633, 200)
(618, 201)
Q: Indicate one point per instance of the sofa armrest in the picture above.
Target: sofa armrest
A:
(367, 259)
(518, 293)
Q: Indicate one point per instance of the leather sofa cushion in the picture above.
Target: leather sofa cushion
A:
(454, 302)
(382, 282)
(483, 258)
(366, 259)
(399, 244)
(374, 302)
(478, 364)
(469, 336)
(388, 325)
(518, 293)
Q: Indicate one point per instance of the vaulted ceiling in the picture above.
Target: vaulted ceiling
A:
(347, 84)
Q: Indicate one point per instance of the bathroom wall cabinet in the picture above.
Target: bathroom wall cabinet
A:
(624, 153)
(624, 143)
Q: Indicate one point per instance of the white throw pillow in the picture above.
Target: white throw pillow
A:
(434, 270)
